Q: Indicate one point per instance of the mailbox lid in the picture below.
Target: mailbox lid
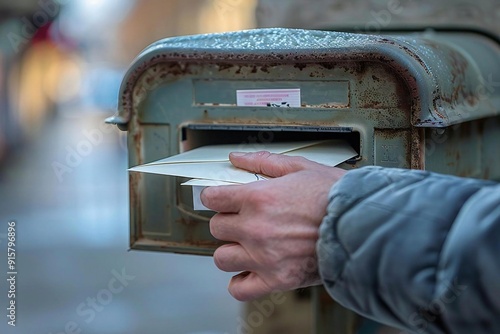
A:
(452, 76)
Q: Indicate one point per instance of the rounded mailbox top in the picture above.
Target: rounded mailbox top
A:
(443, 71)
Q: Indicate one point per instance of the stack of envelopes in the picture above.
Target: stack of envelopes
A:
(210, 165)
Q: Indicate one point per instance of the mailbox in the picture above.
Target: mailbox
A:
(423, 100)
(426, 100)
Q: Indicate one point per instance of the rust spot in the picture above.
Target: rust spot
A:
(328, 65)
(417, 159)
(436, 105)
(224, 66)
(328, 106)
(408, 51)
(403, 95)
(300, 66)
(137, 139)
(372, 105)
(265, 68)
(134, 181)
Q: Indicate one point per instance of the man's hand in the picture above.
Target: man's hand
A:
(272, 225)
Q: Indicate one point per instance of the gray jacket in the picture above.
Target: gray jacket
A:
(415, 250)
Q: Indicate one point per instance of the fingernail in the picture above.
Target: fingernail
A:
(238, 154)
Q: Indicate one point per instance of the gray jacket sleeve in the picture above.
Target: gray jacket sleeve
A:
(415, 250)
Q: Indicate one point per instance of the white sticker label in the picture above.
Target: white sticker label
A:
(280, 98)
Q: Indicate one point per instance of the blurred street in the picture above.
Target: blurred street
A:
(72, 240)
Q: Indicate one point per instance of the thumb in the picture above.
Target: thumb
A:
(270, 164)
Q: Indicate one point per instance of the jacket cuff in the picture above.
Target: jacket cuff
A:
(355, 186)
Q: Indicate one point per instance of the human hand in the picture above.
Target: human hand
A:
(272, 225)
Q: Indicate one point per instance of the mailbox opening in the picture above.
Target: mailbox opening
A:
(196, 135)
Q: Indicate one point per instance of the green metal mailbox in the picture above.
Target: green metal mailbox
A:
(416, 100)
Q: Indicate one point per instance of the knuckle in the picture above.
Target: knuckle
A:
(256, 198)
(298, 162)
(283, 281)
(260, 197)
(260, 236)
(263, 154)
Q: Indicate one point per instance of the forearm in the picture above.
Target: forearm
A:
(398, 246)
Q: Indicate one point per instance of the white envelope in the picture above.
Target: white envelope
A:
(210, 166)
(198, 185)
(212, 162)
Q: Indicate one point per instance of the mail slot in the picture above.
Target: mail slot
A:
(422, 101)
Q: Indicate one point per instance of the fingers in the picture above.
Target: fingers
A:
(274, 165)
(225, 226)
(229, 199)
(233, 257)
(248, 286)
(226, 199)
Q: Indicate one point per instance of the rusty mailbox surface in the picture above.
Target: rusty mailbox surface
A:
(425, 101)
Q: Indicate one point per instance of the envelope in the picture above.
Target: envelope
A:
(210, 165)
(197, 185)
(212, 162)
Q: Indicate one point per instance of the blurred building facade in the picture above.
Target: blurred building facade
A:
(71, 54)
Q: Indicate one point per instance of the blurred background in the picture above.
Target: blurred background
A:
(63, 175)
